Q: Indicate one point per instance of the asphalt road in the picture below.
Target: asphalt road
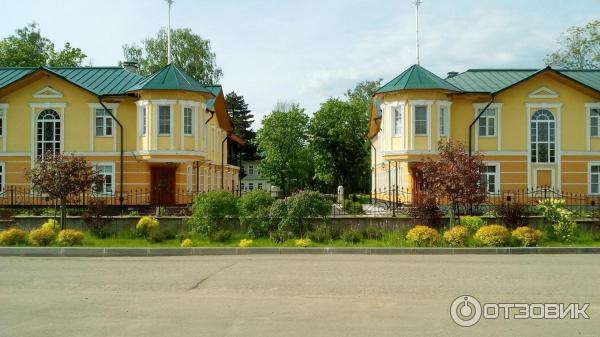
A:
(291, 295)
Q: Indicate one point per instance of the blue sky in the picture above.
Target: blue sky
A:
(307, 51)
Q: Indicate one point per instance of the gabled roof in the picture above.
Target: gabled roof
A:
(169, 78)
(416, 77)
(496, 80)
(97, 80)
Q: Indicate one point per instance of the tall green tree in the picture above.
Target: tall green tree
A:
(341, 152)
(242, 118)
(579, 48)
(283, 140)
(190, 52)
(28, 48)
(363, 93)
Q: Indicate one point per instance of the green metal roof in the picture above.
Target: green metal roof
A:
(416, 77)
(215, 90)
(494, 80)
(169, 78)
(98, 80)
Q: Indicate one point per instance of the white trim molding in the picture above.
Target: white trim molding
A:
(496, 164)
(60, 106)
(194, 106)
(588, 124)
(589, 177)
(531, 109)
(497, 124)
(48, 92)
(549, 168)
(155, 106)
(113, 175)
(543, 92)
(448, 106)
(93, 106)
(4, 117)
(427, 104)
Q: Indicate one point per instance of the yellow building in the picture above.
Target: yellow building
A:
(157, 140)
(536, 128)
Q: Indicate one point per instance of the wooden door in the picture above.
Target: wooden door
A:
(163, 185)
(544, 179)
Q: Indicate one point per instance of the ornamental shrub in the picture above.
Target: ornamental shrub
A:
(70, 237)
(42, 236)
(526, 236)
(492, 236)
(221, 235)
(560, 218)
(298, 209)
(321, 234)
(512, 214)
(13, 236)
(456, 236)
(146, 226)
(352, 236)
(254, 210)
(187, 243)
(472, 223)
(303, 243)
(212, 212)
(52, 225)
(423, 236)
(246, 243)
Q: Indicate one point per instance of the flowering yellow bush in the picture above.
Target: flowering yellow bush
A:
(492, 235)
(42, 236)
(187, 243)
(147, 225)
(302, 243)
(526, 236)
(13, 236)
(246, 242)
(456, 236)
(423, 236)
(52, 225)
(70, 237)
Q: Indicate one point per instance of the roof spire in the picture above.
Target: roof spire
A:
(169, 57)
(417, 3)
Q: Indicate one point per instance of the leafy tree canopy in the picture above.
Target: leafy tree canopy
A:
(579, 48)
(28, 48)
(190, 52)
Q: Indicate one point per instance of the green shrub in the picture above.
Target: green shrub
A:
(52, 225)
(254, 208)
(156, 236)
(423, 236)
(512, 214)
(146, 226)
(221, 235)
(352, 236)
(13, 236)
(297, 211)
(560, 218)
(353, 207)
(456, 236)
(527, 237)
(492, 236)
(212, 212)
(278, 237)
(373, 233)
(472, 223)
(70, 237)
(321, 234)
(42, 236)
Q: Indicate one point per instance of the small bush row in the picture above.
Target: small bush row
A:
(46, 235)
(485, 236)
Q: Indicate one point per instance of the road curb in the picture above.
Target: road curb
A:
(139, 252)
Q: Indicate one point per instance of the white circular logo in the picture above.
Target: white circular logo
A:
(465, 310)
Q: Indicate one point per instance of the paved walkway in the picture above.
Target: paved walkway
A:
(291, 295)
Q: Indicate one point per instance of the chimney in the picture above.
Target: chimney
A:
(131, 66)
(452, 73)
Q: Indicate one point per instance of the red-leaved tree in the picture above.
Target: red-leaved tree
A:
(454, 176)
(61, 177)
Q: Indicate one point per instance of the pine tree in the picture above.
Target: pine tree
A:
(242, 119)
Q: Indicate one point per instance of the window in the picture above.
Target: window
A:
(595, 179)
(1, 122)
(595, 122)
(489, 178)
(421, 120)
(243, 187)
(398, 123)
(107, 171)
(144, 120)
(164, 120)
(543, 134)
(251, 169)
(259, 186)
(444, 121)
(2, 176)
(48, 133)
(189, 178)
(104, 123)
(187, 121)
(487, 123)
(251, 186)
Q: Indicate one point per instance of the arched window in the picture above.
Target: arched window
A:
(543, 135)
(48, 133)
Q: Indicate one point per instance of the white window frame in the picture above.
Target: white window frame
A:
(106, 120)
(113, 175)
(427, 119)
(398, 120)
(114, 108)
(444, 118)
(250, 169)
(490, 114)
(589, 107)
(189, 178)
(158, 121)
(188, 129)
(590, 165)
(2, 176)
(496, 175)
(551, 144)
(3, 108)
(144, 117)
(477, 107)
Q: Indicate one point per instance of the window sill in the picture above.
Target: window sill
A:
(164, 134)
(111, 136)
(488, 136)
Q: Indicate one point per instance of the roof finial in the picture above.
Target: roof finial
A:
(417, 4)
(169, 57)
